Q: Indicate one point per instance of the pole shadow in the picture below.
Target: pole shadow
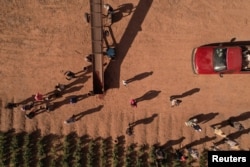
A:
(139, 76)
(112, 72)
(185, 94)
(148, 95)
(203, 118)
(87, 112)
(144, 121)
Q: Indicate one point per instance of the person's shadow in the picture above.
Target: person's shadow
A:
(148, 95)
(66, 100)
(81, 73)
(139, 76)
(143, 121)
(187, 93)
(241, 117)
(72, 89)
(87, 112)
(237, 134)
(198, 142)
(203, 118)
(171, 143)
(78, 80)
(122, 11)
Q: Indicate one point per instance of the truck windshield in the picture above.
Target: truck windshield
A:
(220, 59)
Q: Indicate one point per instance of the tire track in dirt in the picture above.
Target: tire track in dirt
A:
(140, 128)
(31, 124)
(130, 118)
(44, 120)
(151, 129)
(19, 120)
(6, 116)
(161, 129)
(1, 106)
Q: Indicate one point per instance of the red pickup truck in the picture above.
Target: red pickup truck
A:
(221, 60)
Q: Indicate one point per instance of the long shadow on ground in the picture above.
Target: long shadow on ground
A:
(139, 76)
(242, 117)
(144, 121)
(112, 72)
(148, 95)
(185, 94)
(90, 111)
(203, 118)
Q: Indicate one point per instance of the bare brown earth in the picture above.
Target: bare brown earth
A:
(41, 39)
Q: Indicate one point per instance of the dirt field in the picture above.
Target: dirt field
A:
(40, 40)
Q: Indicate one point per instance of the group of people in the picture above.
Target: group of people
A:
(193, 122)
(246, 60)
(40, 102)
(30, 106)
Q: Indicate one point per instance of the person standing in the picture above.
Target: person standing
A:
(175, 102)
(31, 114)
(133, 103)
(109, 9)
(70, 120)
(89, 58)
(60, 87)
(27, 106)
(124, 82)
(129, 130)
(39, 97)
(69, 75)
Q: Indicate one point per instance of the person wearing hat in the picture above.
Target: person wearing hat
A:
(108, 8)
